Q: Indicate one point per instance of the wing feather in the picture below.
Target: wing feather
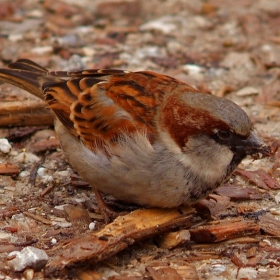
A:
(97, 105)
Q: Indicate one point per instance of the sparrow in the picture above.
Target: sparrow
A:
(142, 137)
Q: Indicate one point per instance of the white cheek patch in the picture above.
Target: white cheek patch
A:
(206, 158)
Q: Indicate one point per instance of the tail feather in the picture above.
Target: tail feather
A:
(28, 65)
(27, 75)
(46, 85)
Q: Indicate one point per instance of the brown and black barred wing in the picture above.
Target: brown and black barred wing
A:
(105, 104)
(97, 106)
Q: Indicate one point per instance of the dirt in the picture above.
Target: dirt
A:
(226, 48)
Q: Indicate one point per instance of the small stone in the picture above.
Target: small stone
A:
(24, 174)
(217, 268)
(165, 24)
(26, 157)
(62, 173)
(275, 211)
(54, 241)
(246, 91)
(5, 146)
(30, 257)
(61, 222)
(42, 50)
(15, 37)
(247, 273)
(88, 51)
(69, 40)
(18, 217)
(41, 171)
(28, 273)
(92, 226)
(4, 236)
(194, 70)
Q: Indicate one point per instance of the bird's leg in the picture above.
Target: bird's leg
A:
(107, 214)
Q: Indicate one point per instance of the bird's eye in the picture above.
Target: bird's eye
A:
(223, 134)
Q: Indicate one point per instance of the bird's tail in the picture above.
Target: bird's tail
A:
(27, 75)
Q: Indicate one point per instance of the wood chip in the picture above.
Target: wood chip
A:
(254, 261)
(239, 193)
(28, 113)
(268, 179)
(77, 216)
(9, 169)
(44, 145)
(269, 224)
(177, 270)
(224, 230)
(121, 233)
(237, 261)
(37, 218)
(174, 239)
(215, 205)
(163, 273)
(259, 178)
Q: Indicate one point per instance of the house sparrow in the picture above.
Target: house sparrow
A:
(141, 136)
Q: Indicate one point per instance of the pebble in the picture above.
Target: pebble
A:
(4, 236)
(69, 40)
(28, 274)
(18, 217)
(92, 225)
(247, 273)
(30, 257)
(35, 14)
(246, 91)
(193, 70)
(24, 174)
(217, 268)
(165, 24)
(25, 157)
(88, 51)
(15, 37)
(61, 222)
(63, 173)
(5, 146)
(54, 241)
(275, 211)
(42, 50)
(268, 242)
(41, 171)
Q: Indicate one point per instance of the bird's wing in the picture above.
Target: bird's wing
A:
(97, 106)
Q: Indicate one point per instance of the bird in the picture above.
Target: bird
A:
(142, 137)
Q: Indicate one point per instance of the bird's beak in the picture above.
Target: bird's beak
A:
(254, 145)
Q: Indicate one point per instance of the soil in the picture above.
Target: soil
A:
(226, 48)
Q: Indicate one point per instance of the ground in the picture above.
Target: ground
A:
(226, 48)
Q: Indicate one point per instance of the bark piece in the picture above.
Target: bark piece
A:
(239, 193)
(177, 270)
(269, 224)
(259, 178)
(224, 230)
(45, 145)
(163, 273)
(118, 235)
(8, 169)
(213, 205)
(28, 113)
(174, 239)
